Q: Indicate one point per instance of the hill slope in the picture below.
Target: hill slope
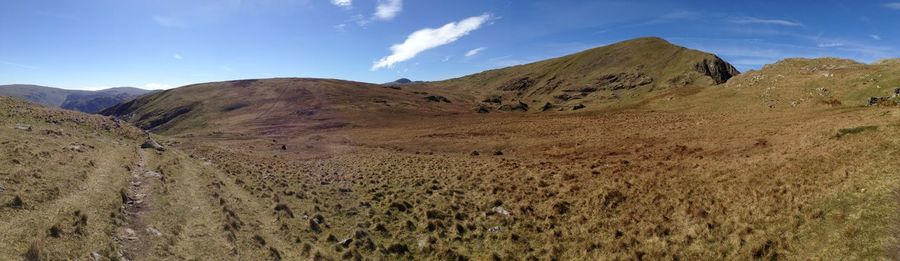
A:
(615, 73)
(77, 100)
(274, 105)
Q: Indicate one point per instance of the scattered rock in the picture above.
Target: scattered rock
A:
(882, 101)
(283, 147)
(474, 153)
(495, 229)
(2, 189)
(578, 107)
(346, 242)
(152, 144)
(482, 109)
(24, 127)
(437, 98)
(498, 153)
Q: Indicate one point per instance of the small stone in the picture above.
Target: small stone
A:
(152, 174)
(500, 210)
(129, 232)
(475, 153)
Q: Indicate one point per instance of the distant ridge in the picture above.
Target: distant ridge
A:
(77, 100)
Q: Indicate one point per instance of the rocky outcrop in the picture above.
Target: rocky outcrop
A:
(717, 69)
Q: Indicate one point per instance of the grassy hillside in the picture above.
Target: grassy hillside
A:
(273, 105)
(617, 74)
(60, 177)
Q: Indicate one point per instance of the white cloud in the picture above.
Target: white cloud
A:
(895, 5)
(341, 27)
(875, 36)
(753, 20)
(429, 38)
(475, 51)
(388, 9)
(168, 21)
(177, 56)
(346, 4)
(157, 86)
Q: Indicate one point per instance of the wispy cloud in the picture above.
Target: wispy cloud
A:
(875, 36)
(753, 20)
(429, 38)
(388, 9)
(830, 45)
(341, 27)
(346, 4)
(475, 51)
(894, 5)
(177, 56)
(23, 66)
(168, 21)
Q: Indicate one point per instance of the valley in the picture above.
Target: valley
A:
(684, 160)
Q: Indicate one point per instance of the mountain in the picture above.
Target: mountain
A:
(597, 77)
(78, 100)
(400, 82)
(620, 73)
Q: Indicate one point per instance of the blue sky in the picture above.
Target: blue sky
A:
(91, 44)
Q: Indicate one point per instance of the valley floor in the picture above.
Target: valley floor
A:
(594, 185)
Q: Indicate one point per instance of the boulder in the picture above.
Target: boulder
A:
(152, 144)
(548, 106)
(578, 107)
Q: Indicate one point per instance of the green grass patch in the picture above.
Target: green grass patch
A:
(849, 131)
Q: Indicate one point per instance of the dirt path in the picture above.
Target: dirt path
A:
(133, 237)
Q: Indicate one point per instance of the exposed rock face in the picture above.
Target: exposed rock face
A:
(519, 106)
(437, 98)
(717, 69)
(519, 84)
